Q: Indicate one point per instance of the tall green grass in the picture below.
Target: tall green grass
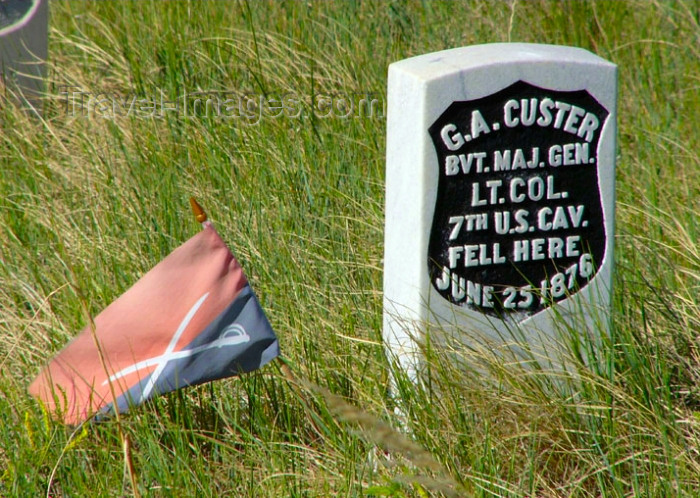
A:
(89, 203)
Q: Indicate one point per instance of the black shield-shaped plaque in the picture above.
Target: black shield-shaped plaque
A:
(518, 222)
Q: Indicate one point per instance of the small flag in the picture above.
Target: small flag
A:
(191, 319)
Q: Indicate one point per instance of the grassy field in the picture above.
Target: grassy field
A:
(95, 193)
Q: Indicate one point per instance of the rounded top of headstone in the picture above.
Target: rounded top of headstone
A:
(437, 64)
(14, 13)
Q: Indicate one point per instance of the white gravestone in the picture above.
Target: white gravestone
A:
(499, 197)
(24, 46)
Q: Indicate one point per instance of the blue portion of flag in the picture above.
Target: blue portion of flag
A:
(239, 340)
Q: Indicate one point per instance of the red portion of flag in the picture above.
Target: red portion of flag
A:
(161, 314)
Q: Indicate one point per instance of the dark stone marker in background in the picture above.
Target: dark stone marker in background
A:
(24, 47)
(499, 197)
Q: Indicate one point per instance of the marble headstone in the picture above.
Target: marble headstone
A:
(500, 197)
(24, 46)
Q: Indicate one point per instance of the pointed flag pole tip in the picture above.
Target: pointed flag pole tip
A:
(199, 213)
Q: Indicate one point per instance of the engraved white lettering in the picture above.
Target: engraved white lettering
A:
(546, 248)
(569, 154)
(557, 114)
(452, 140)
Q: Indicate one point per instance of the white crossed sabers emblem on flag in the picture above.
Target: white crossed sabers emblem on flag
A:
(232, 335)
